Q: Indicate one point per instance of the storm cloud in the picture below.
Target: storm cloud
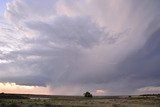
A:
(81, 45)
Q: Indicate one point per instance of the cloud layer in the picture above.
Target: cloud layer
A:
(106, 45)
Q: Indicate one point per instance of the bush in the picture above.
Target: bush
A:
(3, 105)
(14, 105)
(88, 94)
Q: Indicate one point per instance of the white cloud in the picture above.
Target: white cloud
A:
(100, 92)
(23, 89)
(149, 90)
(5, 61)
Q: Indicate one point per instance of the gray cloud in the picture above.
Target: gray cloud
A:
(68, 31)
(51, 54)
(143, 64)
(62, 43)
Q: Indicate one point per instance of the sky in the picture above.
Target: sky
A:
(68, 47)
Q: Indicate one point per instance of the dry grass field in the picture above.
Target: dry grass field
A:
(79, 101)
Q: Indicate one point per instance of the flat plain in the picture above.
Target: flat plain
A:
(80, 101)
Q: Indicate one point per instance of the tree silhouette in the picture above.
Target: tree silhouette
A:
(88, 94)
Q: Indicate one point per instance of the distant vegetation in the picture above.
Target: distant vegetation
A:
(12, 96)
(88, 94)
(157, 95)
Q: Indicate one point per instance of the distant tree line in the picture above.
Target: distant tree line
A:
(12, 96)
(158, 95)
